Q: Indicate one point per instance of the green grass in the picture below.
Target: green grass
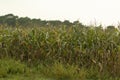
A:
(15, 70)
(22, 77)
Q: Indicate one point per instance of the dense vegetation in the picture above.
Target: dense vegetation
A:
(13, 21)
(63, 52)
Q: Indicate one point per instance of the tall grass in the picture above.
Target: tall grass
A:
(88, 47)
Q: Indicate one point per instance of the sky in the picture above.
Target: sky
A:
(106, 12)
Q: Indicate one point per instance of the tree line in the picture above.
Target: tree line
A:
(15, 21)
(12, 20)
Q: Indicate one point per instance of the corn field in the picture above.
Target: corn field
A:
(88, 47)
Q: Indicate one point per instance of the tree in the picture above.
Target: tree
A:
(77, 23)
(67, 23)
(8, 19)
(111, 27)
(24, 21)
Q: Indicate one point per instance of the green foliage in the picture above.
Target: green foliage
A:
(10, 66)
(9, 20)
(86, 47)
(60, 71)
(12, 21)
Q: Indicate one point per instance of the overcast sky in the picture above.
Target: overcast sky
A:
(106, 12)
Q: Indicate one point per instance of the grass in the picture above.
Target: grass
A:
(22, 77)
(15, 70)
